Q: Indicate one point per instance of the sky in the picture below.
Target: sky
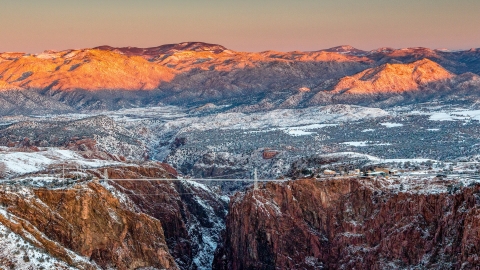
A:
(249, 25)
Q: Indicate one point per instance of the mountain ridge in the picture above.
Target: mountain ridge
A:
(197, 73)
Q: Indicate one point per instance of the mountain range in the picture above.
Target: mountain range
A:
(196, 73)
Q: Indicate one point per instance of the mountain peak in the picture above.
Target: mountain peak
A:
(383, 50)
(393, 78)
(345, 49)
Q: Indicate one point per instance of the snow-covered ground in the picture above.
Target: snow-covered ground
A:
(18, 163)
(300, 119)
(391, 125)
(426, 184)
(129, 115)
(376, 160)
(23, 255)
(325, 129)
(304, 130)
(456, 115)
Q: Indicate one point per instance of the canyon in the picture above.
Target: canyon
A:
(297, 224)
(101, 150)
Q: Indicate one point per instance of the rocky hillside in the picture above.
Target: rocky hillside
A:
(195, 74)
(353, 224)
(93, 137)
(393, 78)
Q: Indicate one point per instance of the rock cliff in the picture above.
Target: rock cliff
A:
(353, 224)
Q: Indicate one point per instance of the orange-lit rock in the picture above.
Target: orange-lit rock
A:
(88, 69)
(194, 72)
(390, 78)
(6, 86)
(136, 68)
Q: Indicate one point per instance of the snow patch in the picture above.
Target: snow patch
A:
(18, 163)
(391, 125)
(365, 143)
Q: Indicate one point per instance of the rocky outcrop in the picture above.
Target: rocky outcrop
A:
(269, 154)
(353, 224)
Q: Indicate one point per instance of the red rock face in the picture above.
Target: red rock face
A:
(181, 209)
(90, 221)
(350, 224)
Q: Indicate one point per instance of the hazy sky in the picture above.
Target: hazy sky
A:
(247, 25)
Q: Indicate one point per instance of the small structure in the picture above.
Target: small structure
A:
(354, 172)
(394, 172)
(388, 171)
(376, 173)
(441, 176)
